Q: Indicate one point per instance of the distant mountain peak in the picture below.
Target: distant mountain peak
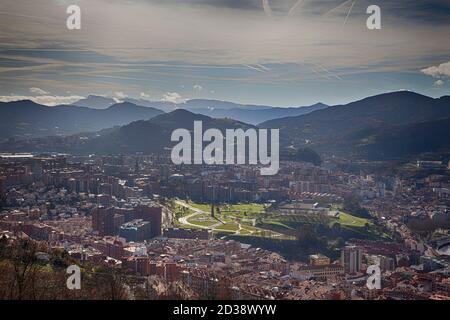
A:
(400, 94)
(318, 105)
(181, 115)
(181, 112)
(25, 104)
(22, 101)
(27, 118)
(95, 102)
(122, 105)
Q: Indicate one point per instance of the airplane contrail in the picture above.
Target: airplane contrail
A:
(320, 74)
(254, 68)
(297, 4)
(349, 11)
(334, 75)
(263, 67)
(267, 8)
(336, 8)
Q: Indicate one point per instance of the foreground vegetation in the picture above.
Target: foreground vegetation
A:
(29, 270)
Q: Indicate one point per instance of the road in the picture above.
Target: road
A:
(184, 220)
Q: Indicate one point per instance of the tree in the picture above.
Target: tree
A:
(110, 284)
(309, 240)
(308, 155)
(3, 246)
(353, 206)
(24, 263)
(340, 242)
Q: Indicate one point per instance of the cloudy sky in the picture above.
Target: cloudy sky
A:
(277, 52)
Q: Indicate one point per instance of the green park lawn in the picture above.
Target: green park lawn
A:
(241, 209)
(230, 227)
(346, 219)
(202, 220)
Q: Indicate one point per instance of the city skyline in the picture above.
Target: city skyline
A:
(250, 154)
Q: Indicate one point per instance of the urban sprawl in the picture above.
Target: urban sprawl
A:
(227, 232)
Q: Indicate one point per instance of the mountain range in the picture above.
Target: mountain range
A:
(252, 114)
(392, 125)
(255, 116)
(95, 102)
(28, 119)
(146, 136)
(363, 126)
(101, 102)
(154, 135)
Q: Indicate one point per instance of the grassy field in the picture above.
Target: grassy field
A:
(236, 210)
(252, 219)
(293, 222)
(201, 222)
(278, 224)
(346, 219)
(231, 216)
(181, 211)
(228, 218)
(228, 227)
(201, 206)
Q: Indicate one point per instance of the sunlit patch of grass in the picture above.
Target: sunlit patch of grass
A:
(352, 221)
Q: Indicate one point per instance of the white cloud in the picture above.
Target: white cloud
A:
(439, 83)
(120, 95)
(38, 91)
(173, 97)
(442, 70)
(47, 100)
(219, 37)
(198, 87)
(144, 95)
